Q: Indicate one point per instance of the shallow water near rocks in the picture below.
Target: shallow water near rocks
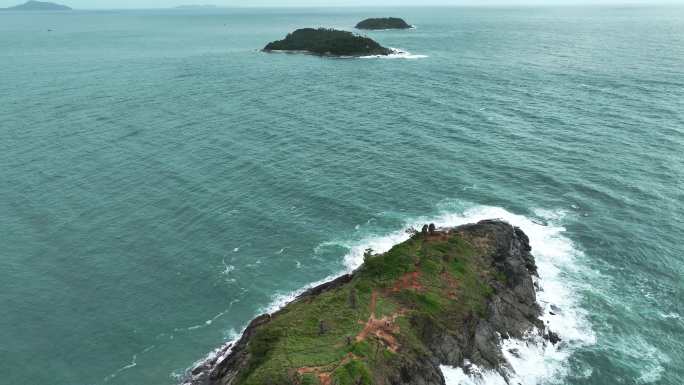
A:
(163, 181)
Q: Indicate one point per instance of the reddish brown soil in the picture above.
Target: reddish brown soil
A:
(408, 281)
(324, 372)
(383, 328)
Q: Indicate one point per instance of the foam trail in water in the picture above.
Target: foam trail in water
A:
(133, 364)
(396, 54)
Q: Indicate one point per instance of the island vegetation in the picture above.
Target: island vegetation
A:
(441, 297)
(328, 42)
(38, 6)
(383, 23)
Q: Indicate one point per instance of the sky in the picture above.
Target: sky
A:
(120, 4)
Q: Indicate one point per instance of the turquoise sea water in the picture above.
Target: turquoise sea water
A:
(162, 181)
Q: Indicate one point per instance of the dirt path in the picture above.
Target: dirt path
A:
(383, 328)
(324, 373)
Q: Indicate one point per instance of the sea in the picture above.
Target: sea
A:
(162, 181)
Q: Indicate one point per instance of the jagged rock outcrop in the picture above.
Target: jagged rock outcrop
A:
(445, 298)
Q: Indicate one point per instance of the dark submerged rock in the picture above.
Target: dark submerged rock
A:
(328, 42)
(552, 337)
(322, 288)
(383, 23)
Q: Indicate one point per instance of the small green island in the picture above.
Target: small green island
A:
(328, 42)
(37, 6)
(383, 23)
(443, 297)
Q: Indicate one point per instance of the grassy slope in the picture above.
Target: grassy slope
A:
(423, 281)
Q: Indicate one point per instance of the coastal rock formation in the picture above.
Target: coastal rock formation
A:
(447, 297)
(37, 6)
(327, 42)
(383, 23)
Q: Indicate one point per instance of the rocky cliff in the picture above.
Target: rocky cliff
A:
(443, 297)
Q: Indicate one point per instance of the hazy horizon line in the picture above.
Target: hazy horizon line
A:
(209, 7)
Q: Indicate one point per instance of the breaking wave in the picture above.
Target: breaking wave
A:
(533, 360)
(396, 54)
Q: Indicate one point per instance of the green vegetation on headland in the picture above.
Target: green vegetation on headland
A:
(441, 297)
(384, 23)
(37, 6)
(328, 42)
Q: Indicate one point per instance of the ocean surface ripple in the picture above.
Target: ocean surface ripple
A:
(163, 182)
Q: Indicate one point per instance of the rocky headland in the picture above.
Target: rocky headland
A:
(383, 23)
(443, 297)
(327, 42)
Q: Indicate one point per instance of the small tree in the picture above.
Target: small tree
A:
(367, 254)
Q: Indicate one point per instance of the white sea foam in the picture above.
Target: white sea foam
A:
(636, 349)
(131, 365)
(218, 355)
(670, 316)
(396, 54)
(476, 377)
(532, 359)
(227, 269)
